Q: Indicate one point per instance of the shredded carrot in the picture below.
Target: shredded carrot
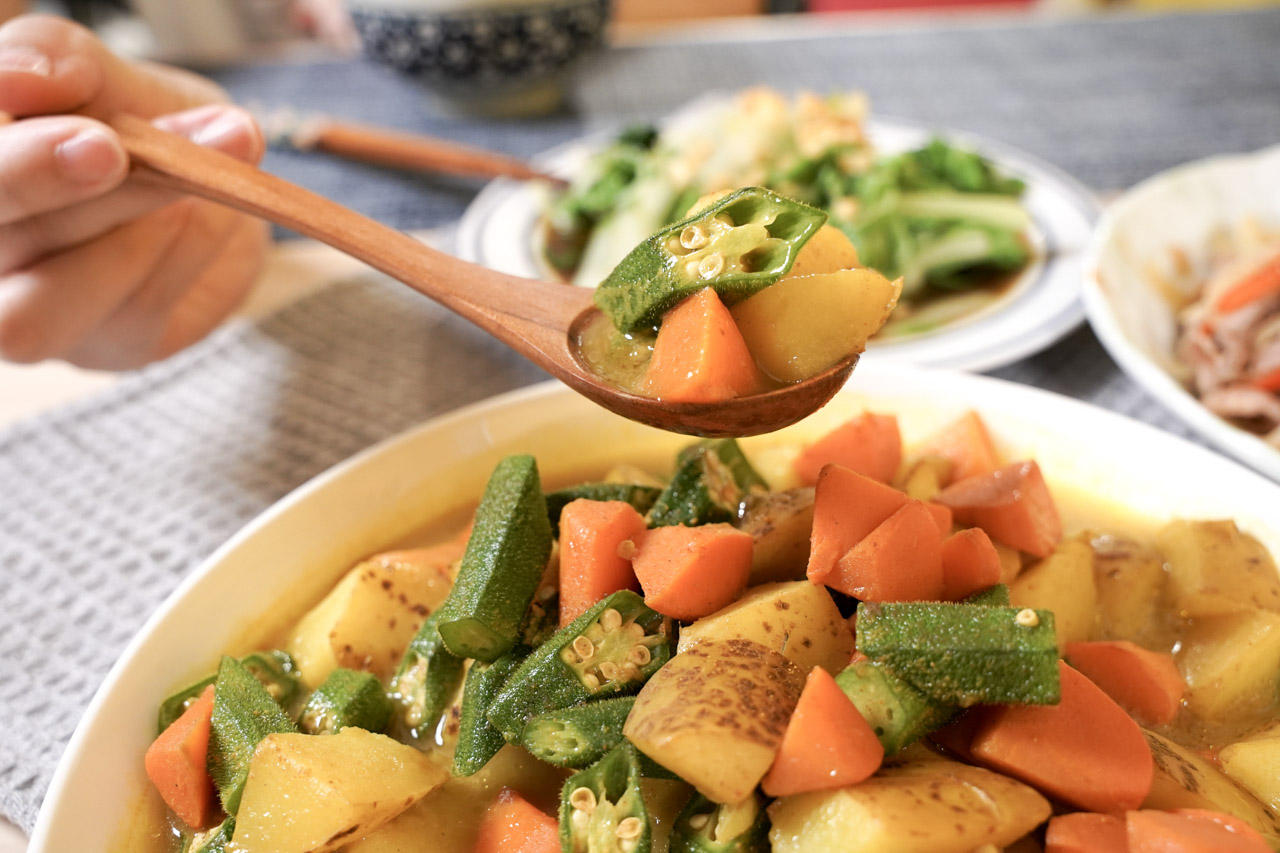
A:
(1260, 282)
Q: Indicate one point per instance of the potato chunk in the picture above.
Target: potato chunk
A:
(925, 806)
(368, 619)
(798, 620)
(1062, 582)
(1184, 780)
(805, 324)
(779, 524)
(1230, 663)
(1215, 569)
(312, 794)
(715, 714)
(1253, 763)
(1130, 580)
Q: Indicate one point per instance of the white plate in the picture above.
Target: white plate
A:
(500, 230)
(379, 496)
(1177, 209)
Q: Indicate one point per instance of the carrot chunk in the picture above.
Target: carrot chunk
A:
(1012, 504)
(512, 824)
(1145, 683)
(689, 572)
(846, 507)
(966, 444)
(1085, 750)
(1191, 831)
(901, 560)
(942, 516)
(593, 562)
(827, 744)
(699, 355)
(869, 444)
(175, 763)
(1086, 832)
(969, 563)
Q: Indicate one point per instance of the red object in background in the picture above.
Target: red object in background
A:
(821, 6)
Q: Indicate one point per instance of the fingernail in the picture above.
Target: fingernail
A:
(25, 60)
(90, 157)
(223, 130)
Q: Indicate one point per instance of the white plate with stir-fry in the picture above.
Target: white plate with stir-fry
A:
(300, 579)
(988, 239)
(1183, 289)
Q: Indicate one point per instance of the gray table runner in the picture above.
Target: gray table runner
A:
(107, 503)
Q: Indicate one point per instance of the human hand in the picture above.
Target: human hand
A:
(96, 268)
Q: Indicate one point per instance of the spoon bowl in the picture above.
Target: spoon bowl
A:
(535, 318)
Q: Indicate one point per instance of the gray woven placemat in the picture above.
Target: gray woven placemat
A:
(108, 503)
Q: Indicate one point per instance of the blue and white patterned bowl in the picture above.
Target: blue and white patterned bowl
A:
(490, 56)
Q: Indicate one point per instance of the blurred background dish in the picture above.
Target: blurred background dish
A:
(493, 57)
(1154, 250)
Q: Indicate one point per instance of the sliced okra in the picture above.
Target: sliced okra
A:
(346, 698)
(741, 244)
(639, 496)
(579, 736)
(602, 809)
(216, 840)
(244, 713)
(992, 596)
(424, 684)
(275, 669)
(729, 451)
(478, 739)
(611, 649)
(503, 564)
(707, 827)
(898, 713)
(711, 480)
(962, 654)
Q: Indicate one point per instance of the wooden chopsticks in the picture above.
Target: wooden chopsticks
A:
(401, 150)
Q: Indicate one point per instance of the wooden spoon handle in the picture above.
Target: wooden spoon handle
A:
(539, 313)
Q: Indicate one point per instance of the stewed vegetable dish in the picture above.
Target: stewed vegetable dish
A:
(847, 645)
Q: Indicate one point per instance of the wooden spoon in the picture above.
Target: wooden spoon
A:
(537, 319)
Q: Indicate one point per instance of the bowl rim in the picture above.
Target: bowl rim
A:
(939, 392)
(1133, 359)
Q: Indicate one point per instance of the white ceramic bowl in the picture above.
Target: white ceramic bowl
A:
(296, 549)
(1177, 209)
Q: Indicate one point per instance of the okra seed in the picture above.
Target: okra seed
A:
(699, 821)
(639, 655)
(629, 827)
(547, 593)
(413, 717)
(711, 266)
(693, 237)
(595, 633)
(626, 549)
(691, 269)
(610, 620)
(635, 630)
(583, 799)
(1027, 618)
(630, 672)
(584, 647)
(591, 681)
(609, 670)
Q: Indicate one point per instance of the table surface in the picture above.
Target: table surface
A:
(112, 497)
